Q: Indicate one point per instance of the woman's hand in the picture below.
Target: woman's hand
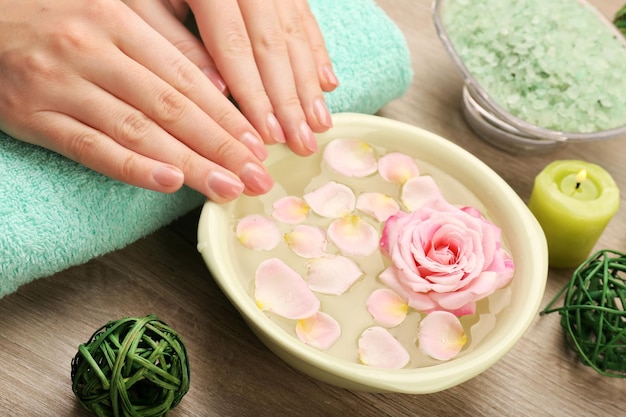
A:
(93, 81)
(269, 54)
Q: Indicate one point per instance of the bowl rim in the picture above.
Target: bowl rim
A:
(414, 380)
(484, 100)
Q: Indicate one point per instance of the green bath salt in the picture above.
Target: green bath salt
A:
(552, 63)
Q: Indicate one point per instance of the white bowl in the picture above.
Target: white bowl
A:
(522, 236)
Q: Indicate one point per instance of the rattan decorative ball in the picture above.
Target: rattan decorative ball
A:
(131, 367)
(593, 316)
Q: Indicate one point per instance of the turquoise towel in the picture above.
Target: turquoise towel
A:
(55, 213)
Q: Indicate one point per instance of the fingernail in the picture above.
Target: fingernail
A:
(322, 114)
(275, 130)
(330, 76)
(307, 137)
(168, 176)
(216, 79)
(256, 145)
(256, 178)
(226, 185)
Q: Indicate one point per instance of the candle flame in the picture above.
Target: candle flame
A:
(581, 176)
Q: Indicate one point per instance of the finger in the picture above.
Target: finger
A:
(164, 19)
(183, 136)
(99, 152)
(326, 73)
(272, 60)
(223, 31)
(183, 110)
(304, 67)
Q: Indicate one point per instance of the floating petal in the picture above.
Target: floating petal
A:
(258, 232)
(332, 274)
(320, 330)
(378, 348)
(397, 167)
(418, 191)
(290, 210)
(350, 157)
(441, 335)
(353, 236)
(331, 200)
(377, 205)
(307, 241)
(281, 290)
(386, 307)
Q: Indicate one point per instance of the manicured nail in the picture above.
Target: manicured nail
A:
(307, 137)
(275, 130)
(168, 176)
(256, 178)
(226, 185)
(256, 145)
(330, 76)
(322, 114)
(216, 79)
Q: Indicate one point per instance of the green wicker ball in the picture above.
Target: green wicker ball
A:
(131, 367)
(593, 316)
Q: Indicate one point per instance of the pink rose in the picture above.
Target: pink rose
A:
(444, 257)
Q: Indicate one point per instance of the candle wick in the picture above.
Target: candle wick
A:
(577, 186)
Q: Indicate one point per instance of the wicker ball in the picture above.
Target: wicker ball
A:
(593, 315)
(131, 367)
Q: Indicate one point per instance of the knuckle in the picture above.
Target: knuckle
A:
(272, 40)
(236, 41)
(127, 167)
(82, 146)
(170, 106)
(292, 27)
(185, 76)
(133, 129)
(290, 103)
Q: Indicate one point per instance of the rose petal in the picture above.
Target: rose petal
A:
(258, 232)
(332, 274)
(331, 200)
(386, 307)
(281, 290)
(377, 205)
(290, 210)
(397, 167)
(307, 241)
(378, 348)
(320, 330)
(353, 236)
(350, 157)
(418, 191)
(441, 335)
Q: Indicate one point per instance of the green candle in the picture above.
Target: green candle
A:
(573, 201)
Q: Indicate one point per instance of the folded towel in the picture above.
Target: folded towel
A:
(55, 213)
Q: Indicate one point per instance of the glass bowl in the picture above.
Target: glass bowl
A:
(493, 122)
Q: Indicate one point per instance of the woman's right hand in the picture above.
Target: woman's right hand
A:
(93, 81)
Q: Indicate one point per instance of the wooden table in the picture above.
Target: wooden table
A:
(233, 373)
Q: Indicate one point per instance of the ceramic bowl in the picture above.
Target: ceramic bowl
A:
(521, 233)
(494, 123)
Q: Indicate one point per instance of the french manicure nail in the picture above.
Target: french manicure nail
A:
(168, 176)
(226, 185)
(307, 137)
(256, 145)
(256, 178)
(322, 114)
(275, 130)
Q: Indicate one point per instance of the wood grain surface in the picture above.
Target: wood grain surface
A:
(233, 373)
